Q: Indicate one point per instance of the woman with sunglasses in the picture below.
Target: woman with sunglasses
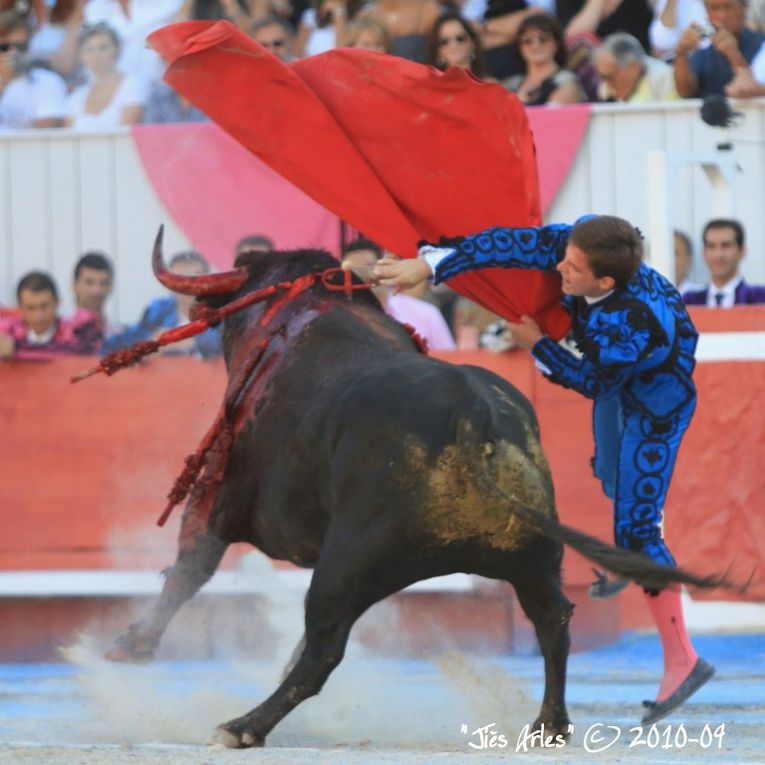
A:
(545, 81)
(453, 42)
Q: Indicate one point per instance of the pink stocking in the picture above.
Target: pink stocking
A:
(679, 656)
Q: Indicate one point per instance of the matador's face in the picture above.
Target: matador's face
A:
(577, 277)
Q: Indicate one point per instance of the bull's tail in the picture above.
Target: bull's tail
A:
(625, 563)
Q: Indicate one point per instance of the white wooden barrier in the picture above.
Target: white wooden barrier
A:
(63, 192)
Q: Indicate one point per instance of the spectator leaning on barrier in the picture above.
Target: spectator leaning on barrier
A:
(37, 332)
(629, 75)
(731, 48)
(30, 96)
(92, 285)
(275, 34)
(169, 312)
(724, 249)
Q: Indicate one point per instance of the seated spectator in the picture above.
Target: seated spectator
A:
(409, 23)
(499, 32)
(700, 71)
(253, 243)
(370, 34)
(426, 319)
(37, 332)
(110, 98)
(453, 42)
(605, 17)
(167, 106)
(683, 262)
(169, 312)
(324, 26)
(235, 11)
(628, 75)
(56, 40)
(134, 21)
(749, 82)
(92, 285)
(30, 96)
(275, 34)
(724, 249)
(670, 18)
(544, 81)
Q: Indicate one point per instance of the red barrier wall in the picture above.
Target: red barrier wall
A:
(85, 468)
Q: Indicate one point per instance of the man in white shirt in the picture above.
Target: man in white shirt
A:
(134, 21)
(724, 249)
(29, 98)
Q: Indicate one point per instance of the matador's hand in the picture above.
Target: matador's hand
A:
(526, 332)
(402, 274)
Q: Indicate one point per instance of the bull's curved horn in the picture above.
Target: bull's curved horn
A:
(204, 284)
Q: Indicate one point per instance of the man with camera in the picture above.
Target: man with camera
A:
(30, 97)
(700, 71)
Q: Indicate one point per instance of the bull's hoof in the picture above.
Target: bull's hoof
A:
(130, 649)
(234, 735)
(548, 734)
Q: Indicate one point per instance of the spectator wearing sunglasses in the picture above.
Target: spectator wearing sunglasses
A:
(30, 97)
(544, 81)
(453, 42)
(275, 34)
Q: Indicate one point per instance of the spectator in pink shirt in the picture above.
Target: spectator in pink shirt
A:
(430, 324)
(37, 332)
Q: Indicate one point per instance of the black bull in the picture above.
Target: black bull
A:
(378, 467)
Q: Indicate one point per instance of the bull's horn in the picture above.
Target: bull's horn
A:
(204, 284)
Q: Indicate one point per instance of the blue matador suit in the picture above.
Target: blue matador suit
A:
(637, 348)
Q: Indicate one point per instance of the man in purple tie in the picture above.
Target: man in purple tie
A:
(724, 249)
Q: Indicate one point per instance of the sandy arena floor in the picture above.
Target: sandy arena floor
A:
(374, 711)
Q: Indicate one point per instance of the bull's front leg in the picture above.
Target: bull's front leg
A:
(198, 557)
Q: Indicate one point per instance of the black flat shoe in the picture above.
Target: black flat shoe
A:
(701, 672)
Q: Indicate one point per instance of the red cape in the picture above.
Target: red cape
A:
(400, 151)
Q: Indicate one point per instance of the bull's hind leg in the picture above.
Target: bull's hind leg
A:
(197, 561)
(541, 598)
(344, 585)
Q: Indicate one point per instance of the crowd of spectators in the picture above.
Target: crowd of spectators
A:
(85, 64)
(33, 330)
